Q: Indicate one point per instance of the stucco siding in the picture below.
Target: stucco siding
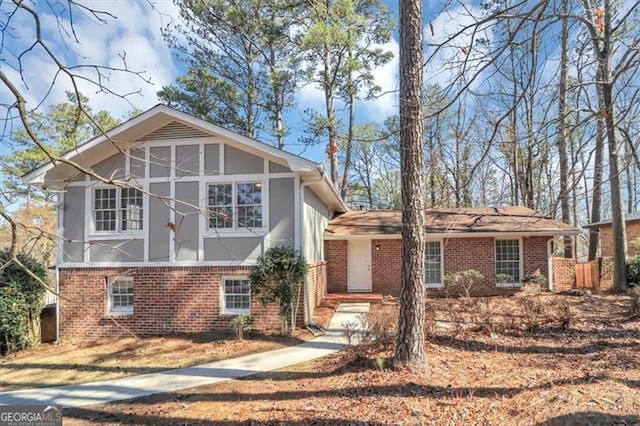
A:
(101, 251)
(281, 211)
(277, 168)
(186, 238)
(159, 232)
(232, 249)
(212, 159)
(112, 167)
(159, 161)
(73, 223)
(316, 216)
(240, 162)
(187, 160)
(137, 162)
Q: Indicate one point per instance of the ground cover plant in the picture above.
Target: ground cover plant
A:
(544, 360)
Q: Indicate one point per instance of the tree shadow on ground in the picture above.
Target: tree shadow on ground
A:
(475, 345)
(589, 418)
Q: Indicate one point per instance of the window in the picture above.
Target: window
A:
(508, 263)
(120, 295)
(236, 295)
(434, 265)
(117, 209)
(235, 205)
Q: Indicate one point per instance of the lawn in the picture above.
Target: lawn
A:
(73, 362)
(539, 360)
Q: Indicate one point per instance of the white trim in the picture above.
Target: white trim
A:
(60, 226)
(442, 257)
(92, 234)
(294, 161)
(223, 307)
(520, 261)
(236, 229)
(181, 263)
(222, 171)
(123, 311)
(550, 282)
(432, 236)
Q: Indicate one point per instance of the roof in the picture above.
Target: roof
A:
(629, 217)
(478, 220)
(133, 132)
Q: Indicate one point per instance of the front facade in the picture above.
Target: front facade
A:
(364, 250)
(162, 239)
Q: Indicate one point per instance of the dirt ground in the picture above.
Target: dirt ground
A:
(80, 362)
(536, 369)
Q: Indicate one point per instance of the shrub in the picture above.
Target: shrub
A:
(239, 325)
(21, 299)
(634, 308)
(278, 277)
(464, 279)
(633, 270)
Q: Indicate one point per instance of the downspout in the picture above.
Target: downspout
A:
(550, 262)
(57, 304)
(307, 300)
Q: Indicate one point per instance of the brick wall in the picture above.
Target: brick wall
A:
(606, 274)
(317, 282)
(459, 254)
(335, 253)
(166, 300)
(564, 273)
(606, 240)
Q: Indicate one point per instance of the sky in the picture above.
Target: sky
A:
(130, 36)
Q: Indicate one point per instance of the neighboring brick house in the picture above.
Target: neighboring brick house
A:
(363, 249)
(605, 229)
(166, 244)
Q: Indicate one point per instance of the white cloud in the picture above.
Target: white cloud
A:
(134, 32)
(450, 44)
(376, 109)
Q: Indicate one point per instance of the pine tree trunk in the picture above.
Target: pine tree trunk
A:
(563, 133)
(410, 342)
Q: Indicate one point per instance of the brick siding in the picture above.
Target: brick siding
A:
(459, 254)
(564, 273)
(166, 300)
(606, 239)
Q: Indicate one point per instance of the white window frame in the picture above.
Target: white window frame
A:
(120, 311)
(223, 300)
(520, 262)
(441, 283)
(119, 210)
(235, 228)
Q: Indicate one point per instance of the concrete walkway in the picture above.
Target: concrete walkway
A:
(183, 378)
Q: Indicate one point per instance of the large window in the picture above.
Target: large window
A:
(508, 263)
(434, 265)
(120, 295)
(235, 205)
(236, 297)
(117, 209)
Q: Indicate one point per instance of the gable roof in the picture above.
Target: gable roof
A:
(476, 220)
(162, 122)
(629, 217)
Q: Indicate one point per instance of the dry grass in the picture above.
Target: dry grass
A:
(585, 374)
(71, 362)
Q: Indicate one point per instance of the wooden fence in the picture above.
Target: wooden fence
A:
(588, 275)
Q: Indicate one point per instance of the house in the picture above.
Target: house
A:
(170, 251)
(162, 238)
(363, 249)
(605, 231)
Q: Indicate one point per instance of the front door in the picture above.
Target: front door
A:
(359, 265)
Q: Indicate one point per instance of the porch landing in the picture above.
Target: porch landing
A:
(354, 297)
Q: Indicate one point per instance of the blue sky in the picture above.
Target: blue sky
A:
(133, 36)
